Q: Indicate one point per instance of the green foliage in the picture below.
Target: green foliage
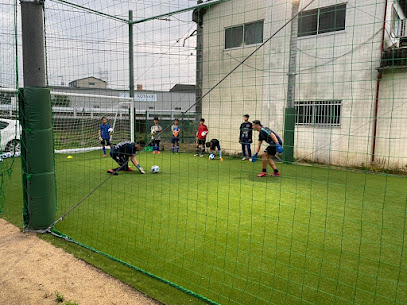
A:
(59, 297)
(60, 100)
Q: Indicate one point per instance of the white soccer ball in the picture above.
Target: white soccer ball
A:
(203, 133)
(17, 154)
(4, 155)
(110, 130)
(211, 157)
(9, 154)
(155, 169)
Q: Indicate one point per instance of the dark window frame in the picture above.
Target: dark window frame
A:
(318, 113)
(314, 27)
(244, 39)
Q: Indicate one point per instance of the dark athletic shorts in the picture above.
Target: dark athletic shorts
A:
(175, 140)
(105, 142)
(271, 150)
(201, 141)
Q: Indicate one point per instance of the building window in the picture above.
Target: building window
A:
(151, 108)
(91, 84)
(395, 24)
(318, 113)
(246, 34)
(177, 108)
(322, 20)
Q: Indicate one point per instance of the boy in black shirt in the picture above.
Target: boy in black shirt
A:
(246, 136)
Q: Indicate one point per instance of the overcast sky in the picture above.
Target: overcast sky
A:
(81, 44)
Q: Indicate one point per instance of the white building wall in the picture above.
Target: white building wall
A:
(241, 92)
(391, 139)
(333, 66)
(342, 66)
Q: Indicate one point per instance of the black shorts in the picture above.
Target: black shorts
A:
(201, 141)
(105, 142)
(118, 157)
(214, 144)
(271, 150)
(156, 142)
(175, 140)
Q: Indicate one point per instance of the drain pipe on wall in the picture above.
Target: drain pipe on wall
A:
(379, 78)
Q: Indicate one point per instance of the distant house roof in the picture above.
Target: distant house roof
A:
(183, 88)
(89, 77)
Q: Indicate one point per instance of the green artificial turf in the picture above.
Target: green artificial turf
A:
(313, 236)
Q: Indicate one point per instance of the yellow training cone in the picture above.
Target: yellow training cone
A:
(69, 157)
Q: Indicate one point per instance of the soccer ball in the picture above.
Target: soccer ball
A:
(110, 130)
(211, 157)
(203, 133)
(4, 155)
(17, 154)
(9, 154)
(155, 169)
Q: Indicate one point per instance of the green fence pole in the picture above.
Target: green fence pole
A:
(38, 164)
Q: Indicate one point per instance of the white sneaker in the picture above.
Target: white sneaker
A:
(196, 155)
(244, 158)
(202, 155)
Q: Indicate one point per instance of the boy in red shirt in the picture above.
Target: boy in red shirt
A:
(201, 135)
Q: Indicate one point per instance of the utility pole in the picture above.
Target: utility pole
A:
(289, 126)
(37, 147)
(199, 62)
(131, 76)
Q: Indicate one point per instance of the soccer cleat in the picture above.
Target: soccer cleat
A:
(110, 171)
(221, 159)
(141, 170)
(262, 174)
(153, 152)
(196, 155)
(201, 155)
(244, 158)
(158, 152)
(104, 155)
(130, 170)
(275, 174)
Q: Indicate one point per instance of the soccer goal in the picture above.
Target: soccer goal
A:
(77, 118)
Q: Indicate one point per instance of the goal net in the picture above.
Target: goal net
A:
(78, 118)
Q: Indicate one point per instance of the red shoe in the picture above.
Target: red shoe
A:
(275, 174)
(104, 155)
(110, 171)
(158, 152)
(262, 174)
(129, 170)
(154, 152)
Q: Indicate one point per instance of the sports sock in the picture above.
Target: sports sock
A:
(104, 150)
(177, 148)
(203, 150)
(276, 170)
(172, 148)
(264, 170)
